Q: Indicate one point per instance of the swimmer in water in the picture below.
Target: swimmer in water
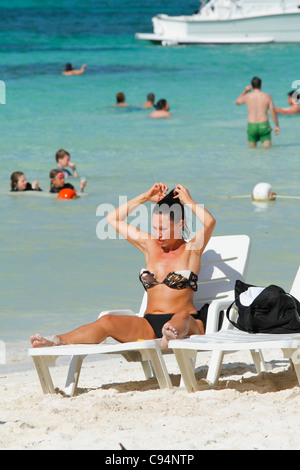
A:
(150, 101)
(120, 99)
(63, 160)
(293, 101)
(162, 110)
(70, 71)
(57, 182)
(19, 183)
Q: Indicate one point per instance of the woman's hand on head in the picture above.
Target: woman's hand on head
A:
(157, 192)
(182, 194)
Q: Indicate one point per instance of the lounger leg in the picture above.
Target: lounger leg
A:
(259, 362)
(192, 358)
(214, 369)
(186, 362)
(294, 356)
(73, 375)
(42, 368)
(147, 369)
(159, 367)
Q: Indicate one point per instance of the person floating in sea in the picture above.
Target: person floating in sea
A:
(162, 110)
(69, 70)
(150, 101)
(293, 101)
(121, 99)
(57, 182)
(258, 104)
(169, 277)
(19, 183)
(63, 160)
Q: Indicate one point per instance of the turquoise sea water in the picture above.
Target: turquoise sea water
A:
(55, 274)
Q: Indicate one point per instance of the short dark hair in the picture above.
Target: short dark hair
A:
(53, 173)
(161, 104)
(256, 83)
(151, 97)
(68, 67)
(120, 97)
(61, 154)
(294, 94)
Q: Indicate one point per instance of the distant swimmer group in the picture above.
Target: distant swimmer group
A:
(161, 108)
(57, 177)
(259, 104)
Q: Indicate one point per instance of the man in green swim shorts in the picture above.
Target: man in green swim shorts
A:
(258, 104)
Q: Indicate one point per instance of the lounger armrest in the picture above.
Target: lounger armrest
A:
(214, 311)
(117, 312)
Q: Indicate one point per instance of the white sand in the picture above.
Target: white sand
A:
(115, 404)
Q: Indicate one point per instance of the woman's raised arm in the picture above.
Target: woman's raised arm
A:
(208, 222)
(117, 218)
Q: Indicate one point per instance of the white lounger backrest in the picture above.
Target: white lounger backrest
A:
(225, 259)
(295, 290)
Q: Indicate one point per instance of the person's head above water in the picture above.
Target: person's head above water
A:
(168, 219)
(120, 97)
(293, 97)
(57, 178)
(151, 97)
(62, 157)
(256, 83)
(18, 181)
(162, 105)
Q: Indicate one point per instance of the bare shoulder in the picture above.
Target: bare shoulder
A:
(267, 96)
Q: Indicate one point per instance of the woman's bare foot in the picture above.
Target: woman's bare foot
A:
(38, 341)
(169, 332)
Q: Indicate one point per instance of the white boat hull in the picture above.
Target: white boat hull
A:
(278, 28)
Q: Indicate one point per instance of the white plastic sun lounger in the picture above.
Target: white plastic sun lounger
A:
(224, 260)
(232, 340)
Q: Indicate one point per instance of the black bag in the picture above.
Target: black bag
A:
(272, 311)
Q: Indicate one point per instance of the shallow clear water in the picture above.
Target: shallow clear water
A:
(55, 274)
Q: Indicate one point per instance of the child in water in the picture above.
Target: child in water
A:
(57, 182)
(19, 183)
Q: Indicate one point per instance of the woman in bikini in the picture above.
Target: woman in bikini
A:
(170, 276)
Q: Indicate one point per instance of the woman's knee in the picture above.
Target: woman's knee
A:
(106, 323)
(184, 315)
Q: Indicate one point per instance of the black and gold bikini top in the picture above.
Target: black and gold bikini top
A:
(174, 280)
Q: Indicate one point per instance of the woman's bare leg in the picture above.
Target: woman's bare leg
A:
(122, 328)
(181, 324)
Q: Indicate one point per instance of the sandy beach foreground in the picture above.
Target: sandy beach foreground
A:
(115, 404)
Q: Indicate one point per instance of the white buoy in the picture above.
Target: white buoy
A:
(263, 192)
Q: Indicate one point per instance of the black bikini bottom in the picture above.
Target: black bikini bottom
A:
(157, 321)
